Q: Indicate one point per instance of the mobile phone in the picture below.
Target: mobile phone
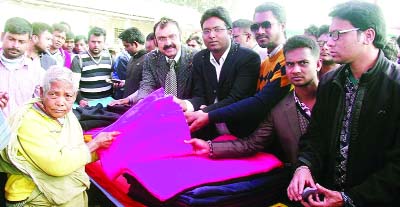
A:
(112, 80)
(308, 191)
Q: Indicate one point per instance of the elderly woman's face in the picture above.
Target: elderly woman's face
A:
(59, 99)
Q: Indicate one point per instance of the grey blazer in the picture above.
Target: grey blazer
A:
(155, 69)
(281, 127)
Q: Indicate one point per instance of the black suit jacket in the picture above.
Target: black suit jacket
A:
(134, 71)
(238, 80)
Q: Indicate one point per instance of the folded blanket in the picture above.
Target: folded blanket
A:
(151, 149)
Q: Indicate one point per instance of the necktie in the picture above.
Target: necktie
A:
(170, 80)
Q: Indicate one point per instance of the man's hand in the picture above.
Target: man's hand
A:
(302, 178)
(119, 84)
(124, 101)
(330, 198)
(3, 99)
(196, 120)
(200, 147)
(83, 103)
(181, 103)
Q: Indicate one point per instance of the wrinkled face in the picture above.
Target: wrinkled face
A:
(324, 49)
(59, 99)
(267, 36)
(150, 45)
(58, 39)
(168, 40)
(43, 41)
(69, 45)
(96, 44)
(15, 45)
(216, 35)
(80, 46)
(130, 48)
(193, 44)
(240, 36)
(348, 46)
(301, 67)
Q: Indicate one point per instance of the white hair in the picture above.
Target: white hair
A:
(58, 73)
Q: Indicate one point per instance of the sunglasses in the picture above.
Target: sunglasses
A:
(256, 26)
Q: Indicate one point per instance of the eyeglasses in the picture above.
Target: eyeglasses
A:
(335, 34)
(256, 26)
(215, 29)
(164, 39)
(321, 43)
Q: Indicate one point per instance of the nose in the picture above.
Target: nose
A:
(330, 42)
(295, 69)
(60, 101)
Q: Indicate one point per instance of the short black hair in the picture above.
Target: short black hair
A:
(278, 11)
(18, 25)
(69, 36)
(97, 31)
(60, 28)
(163, 22)
(79, 38)
(131, 35)
(150, 36)
(242, 23)
(312, 30)
(363, 15)
(220, 13)
(323, 29)
(39, 27)
(301, 41)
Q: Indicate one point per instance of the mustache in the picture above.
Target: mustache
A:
(262, 36)
(166, 47)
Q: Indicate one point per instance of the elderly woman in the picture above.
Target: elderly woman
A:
(46, 155)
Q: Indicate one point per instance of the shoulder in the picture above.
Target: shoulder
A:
(284, 103)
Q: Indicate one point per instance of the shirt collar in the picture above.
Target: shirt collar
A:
(177, 56)
(275, 50)
(223, 57)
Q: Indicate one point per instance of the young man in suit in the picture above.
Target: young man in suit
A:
(156, 66)
(269, 29)
(279, 133)
(223, 74)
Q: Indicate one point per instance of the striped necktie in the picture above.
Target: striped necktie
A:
(170, 80)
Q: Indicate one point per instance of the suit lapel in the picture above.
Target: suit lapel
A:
(291, 115)
(210, 73)
(161, 68)
(228, 66)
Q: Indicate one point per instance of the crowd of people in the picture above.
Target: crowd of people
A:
(325, 102)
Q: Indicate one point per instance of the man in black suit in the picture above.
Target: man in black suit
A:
(156, 66)
(223, 74)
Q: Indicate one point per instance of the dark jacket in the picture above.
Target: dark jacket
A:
(373, 168)
(134, 71)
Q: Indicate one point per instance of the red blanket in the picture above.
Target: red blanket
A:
(151, 149)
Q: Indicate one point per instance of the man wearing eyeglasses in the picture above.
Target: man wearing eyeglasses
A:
(169, 67)
(352, 147)
(242, 35)
(327, 61)
(223, 74)
(273, 84)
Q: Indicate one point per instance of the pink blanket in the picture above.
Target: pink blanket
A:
(151, 149)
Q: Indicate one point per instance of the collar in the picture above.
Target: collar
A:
(23, 60)
(275, 50)
(177, 56)
(223, 57)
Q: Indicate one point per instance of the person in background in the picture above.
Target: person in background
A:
(195, 41)
(150, 42)
(80, 42)
(46, 166)
(327, 61)
(351, 151)
(242, 34)
(39, 45)
(69, 42)
(312, 32)
(62, 57)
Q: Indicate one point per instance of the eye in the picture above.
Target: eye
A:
(289, 64)
(303, 63)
